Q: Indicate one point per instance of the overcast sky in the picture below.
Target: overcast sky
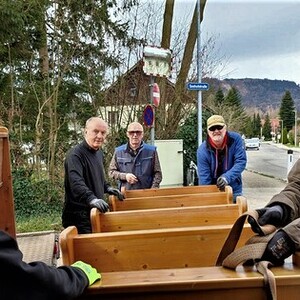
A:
(261, 39)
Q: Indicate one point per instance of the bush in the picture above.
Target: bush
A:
(38, 203)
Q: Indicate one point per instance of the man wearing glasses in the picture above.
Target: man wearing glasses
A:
(135, 164)
(221, 159)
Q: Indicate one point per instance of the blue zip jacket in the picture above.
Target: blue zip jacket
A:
(233, 164)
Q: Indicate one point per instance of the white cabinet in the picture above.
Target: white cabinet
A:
(170, 154)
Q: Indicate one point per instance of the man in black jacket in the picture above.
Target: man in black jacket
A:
(85, 182)
(36, 280)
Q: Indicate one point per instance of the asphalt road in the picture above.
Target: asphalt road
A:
(266, 173)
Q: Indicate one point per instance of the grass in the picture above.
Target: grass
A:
(39, 223)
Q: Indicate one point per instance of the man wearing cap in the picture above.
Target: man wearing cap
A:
(221, 159)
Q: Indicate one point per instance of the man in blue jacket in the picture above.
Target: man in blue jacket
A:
(221, 159)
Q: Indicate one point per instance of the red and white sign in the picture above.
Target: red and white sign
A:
(156, 94)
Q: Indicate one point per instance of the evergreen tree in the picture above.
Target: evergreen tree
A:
(287, 111)
(248, 131)
(266, 130)
(256, 125)
(237, 117)
(284, 138)
(219, 97)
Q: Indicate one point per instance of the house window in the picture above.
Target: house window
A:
(133, 92)
(112, 118)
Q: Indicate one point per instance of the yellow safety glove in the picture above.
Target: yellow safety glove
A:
(91, 273)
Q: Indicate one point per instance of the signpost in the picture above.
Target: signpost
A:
(156, 94)
(197, 86)
(157, 63)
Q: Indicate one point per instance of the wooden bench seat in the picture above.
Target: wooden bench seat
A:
(184, 200)
(147, 249)
(205, 283)
(166, 217)
(170, 264)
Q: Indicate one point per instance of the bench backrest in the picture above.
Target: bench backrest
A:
(147, 249)
(183, 200)
(178, 190)
(166, 217)
(7, 215)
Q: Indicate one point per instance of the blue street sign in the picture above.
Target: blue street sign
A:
(148, 115)
(197, 86)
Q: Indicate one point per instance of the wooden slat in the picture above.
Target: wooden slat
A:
(148, 249)
(185, 200)
(7, 215)
(205, 283)
(165, 218)
(1, 160)
(170, 191)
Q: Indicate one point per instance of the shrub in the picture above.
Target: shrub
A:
(38, 203)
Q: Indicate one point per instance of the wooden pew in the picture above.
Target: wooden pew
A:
(147, 249)
(178, 191)
(166, 217)
(7, 216)
(170, 263)
(205, 283)
(184, 200)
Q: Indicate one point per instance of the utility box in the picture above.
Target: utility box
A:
(170, 154)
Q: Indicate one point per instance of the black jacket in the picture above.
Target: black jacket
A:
(36, 280)
(84, 177)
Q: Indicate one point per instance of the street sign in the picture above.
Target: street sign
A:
(155, 94)
(148, 115)
(197, 86)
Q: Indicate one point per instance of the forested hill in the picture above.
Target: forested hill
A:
(260, 93)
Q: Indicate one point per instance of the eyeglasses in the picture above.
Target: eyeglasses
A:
(216, 127)
(135, 132)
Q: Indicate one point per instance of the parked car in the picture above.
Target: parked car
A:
(252, 143)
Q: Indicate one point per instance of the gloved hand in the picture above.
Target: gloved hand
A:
(100, 204)
(90, 272)
(279, 248)
(116, 192)
(268, 215)
(221, 183)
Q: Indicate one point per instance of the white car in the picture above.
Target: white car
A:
(253, 143)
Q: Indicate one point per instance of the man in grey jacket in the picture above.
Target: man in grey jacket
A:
(283, 211)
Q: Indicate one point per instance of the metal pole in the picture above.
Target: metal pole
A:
(151, 102)
(295, 127)
(282, 132)
(199, 72)
(289, 160)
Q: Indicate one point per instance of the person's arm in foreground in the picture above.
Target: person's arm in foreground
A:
(283, 212)
(37, 278)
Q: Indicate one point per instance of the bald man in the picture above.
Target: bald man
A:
(85, 182)
(135, 164)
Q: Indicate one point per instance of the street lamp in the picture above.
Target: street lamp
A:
(281, 130)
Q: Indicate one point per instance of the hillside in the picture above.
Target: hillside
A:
(260, 93)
